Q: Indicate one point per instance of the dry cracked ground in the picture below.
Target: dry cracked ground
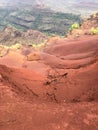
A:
(52, 89)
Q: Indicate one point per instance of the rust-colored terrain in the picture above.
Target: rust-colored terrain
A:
(54, 88)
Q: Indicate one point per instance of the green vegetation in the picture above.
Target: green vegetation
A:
(74, 26)
(44, 20)
(16, 46)
(94, 31)
(39, 46)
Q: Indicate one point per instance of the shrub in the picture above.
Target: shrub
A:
(74, 26)
(16, 46)
(94, 31)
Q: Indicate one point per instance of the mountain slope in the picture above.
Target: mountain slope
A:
(48, 16)
(44, 20)
(83, 7)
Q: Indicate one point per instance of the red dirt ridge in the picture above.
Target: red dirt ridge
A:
(52, 89)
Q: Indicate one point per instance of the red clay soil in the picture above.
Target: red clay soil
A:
(57, 92)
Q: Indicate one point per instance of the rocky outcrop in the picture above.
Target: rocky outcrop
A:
(33, 56)
(10, 36)
(85, 27)
(92, 21)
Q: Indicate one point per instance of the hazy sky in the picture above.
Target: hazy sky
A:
(59, 5)
(48, 1)
(4, 1)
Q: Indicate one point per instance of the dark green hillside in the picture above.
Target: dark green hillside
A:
(43, 20)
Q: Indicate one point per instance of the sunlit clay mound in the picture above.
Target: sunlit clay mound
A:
(53, 91)
(70, 75)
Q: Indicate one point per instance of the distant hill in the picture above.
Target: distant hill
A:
(48, 16)
(83, 7)
(11, 35)
(42, 19)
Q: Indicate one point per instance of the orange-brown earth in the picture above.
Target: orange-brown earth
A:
(85, 27)
(52, 89)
